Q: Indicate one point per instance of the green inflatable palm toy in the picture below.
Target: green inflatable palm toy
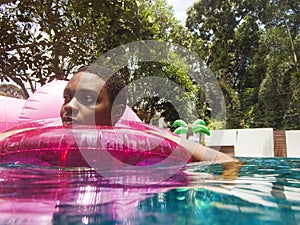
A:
(198, 127)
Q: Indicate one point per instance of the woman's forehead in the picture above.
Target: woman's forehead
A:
(85, 80)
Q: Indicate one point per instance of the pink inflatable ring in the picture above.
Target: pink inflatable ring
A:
(99, 147)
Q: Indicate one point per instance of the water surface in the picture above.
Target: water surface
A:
(261, 191)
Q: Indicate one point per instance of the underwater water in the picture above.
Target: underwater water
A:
(258, 191)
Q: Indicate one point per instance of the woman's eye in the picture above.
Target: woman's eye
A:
(67, 98)
(88, 100)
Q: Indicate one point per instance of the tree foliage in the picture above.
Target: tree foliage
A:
(253, 49)
(46, 40)
(11, 90)
(53, 38)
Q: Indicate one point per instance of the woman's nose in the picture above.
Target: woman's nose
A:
(72, 106)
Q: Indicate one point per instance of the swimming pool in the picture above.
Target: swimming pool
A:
(266, 191)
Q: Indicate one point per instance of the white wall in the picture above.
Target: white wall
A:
(256, 142)
(293, 143)
(221, 138)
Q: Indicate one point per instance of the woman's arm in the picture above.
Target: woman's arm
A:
(198, 151)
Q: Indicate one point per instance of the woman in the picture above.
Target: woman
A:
(94, 96)
(97, 96)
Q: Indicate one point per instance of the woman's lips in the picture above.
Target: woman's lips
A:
(68, 121)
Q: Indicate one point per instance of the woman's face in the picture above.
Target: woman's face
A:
(86, 101)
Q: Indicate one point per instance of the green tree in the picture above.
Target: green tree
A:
(229, 34)
(54, 38)
(243, 45)
(11, 90)
(168, 90)
(279, 91)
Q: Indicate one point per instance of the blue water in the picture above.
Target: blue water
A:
(261, 191)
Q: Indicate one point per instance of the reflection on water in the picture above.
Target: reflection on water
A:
(261, 191)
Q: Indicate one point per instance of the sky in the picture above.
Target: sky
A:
(180, 7)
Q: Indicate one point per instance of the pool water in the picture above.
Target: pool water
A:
(260, 191)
